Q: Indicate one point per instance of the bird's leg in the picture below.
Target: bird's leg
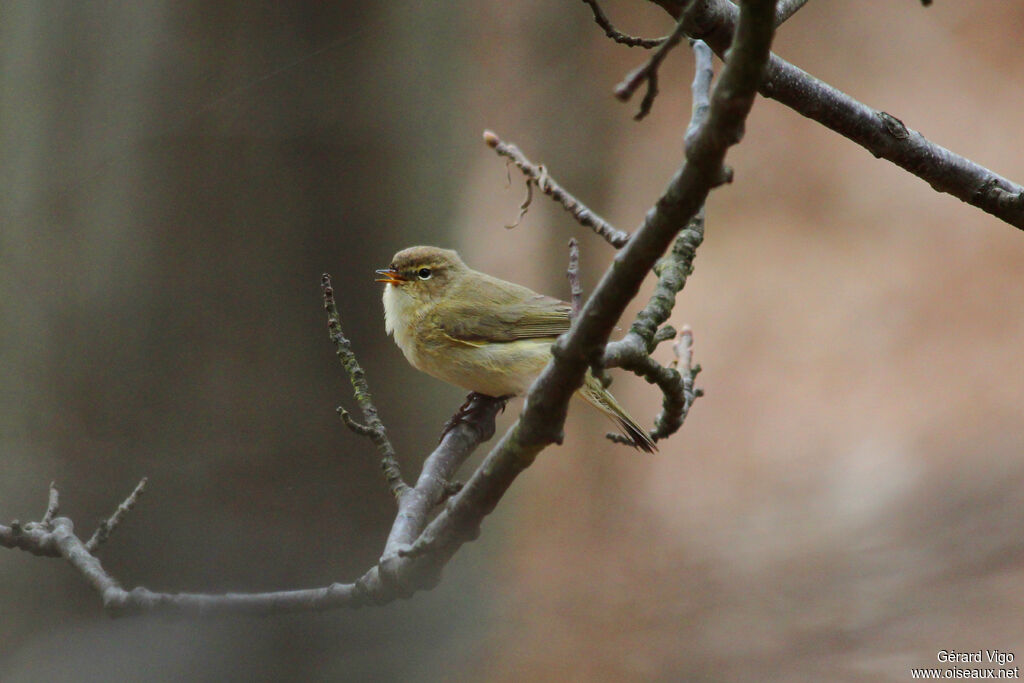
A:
(465, 412)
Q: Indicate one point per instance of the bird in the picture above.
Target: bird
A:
(481, 333)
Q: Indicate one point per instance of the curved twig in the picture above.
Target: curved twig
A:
(632, 41)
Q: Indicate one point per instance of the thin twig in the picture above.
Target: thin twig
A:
(617, 36)
(573, 273)
(52, 506)
(632, 352)
(648, 73)
(107, 526)
(374, 428)
(538, 175)
(357, 427)
(677, 388)
(664, 334)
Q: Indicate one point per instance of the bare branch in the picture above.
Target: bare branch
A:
(374, 428)
(543, 416)
(618, 37)
(350, 422)
(883, 135)
(664, 334)
(108, 525)
(703, 73)
(632, 352)
(416, 551)
(648, 73)
(573, 273)
(677, 387)
(378, 585)
(786, 9)
(474, 426)
(32, 538)
(120, 601)
(538, 175)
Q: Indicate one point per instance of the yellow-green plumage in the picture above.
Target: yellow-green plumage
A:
(479, 332)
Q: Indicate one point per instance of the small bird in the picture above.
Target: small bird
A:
(481, 333)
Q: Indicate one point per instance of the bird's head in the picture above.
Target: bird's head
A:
(423, 273)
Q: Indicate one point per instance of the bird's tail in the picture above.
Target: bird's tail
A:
(599, 397)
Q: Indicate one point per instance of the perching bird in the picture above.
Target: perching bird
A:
(481, 333)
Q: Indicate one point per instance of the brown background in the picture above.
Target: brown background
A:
(844, 503)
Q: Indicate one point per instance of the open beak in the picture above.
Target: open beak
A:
(390, 276)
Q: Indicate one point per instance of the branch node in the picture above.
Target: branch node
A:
(894, 126)
(1005, 199)
(648, 73)
(664, 334)
(452, 488)
(349, 421)
(725, 176)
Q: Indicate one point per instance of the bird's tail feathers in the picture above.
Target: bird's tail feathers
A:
(599, 397)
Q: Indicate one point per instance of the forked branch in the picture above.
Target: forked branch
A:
(417, 547)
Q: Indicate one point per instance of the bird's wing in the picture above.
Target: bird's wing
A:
(503, 314)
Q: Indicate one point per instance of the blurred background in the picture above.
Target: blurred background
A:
(845, 502)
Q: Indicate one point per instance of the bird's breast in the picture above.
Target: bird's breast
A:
(400, 319)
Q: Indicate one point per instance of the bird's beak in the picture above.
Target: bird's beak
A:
(390, 276)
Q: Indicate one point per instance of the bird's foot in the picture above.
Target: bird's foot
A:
(466, 412)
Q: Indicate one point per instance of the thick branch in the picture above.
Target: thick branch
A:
(471, 428)
(880, 133)
(544, 414)
(32, 538)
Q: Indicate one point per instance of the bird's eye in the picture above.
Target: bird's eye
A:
(423, 273)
